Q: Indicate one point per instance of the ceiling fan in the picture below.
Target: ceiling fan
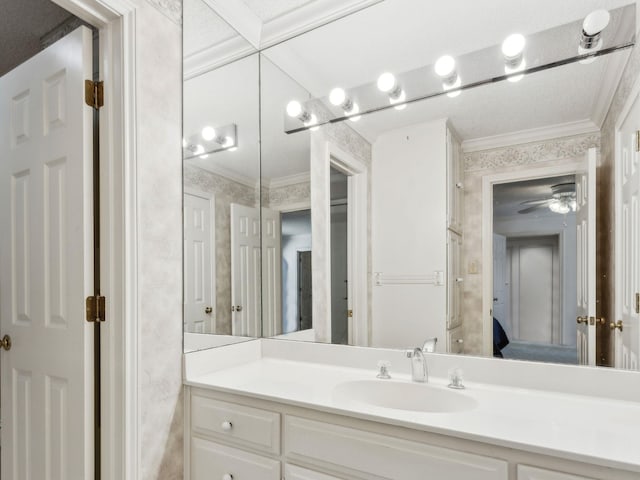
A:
(562, 200)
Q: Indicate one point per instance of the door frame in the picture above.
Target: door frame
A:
(616, 356)
(116, 22)
(488, 181)
(358, 328)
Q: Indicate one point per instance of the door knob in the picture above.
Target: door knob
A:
(584, 320)
(617, 325)
(6, 342)
(208, 309)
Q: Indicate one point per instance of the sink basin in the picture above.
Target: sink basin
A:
(415, 397)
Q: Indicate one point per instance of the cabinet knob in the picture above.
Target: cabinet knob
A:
(227, 426)
(227, 476)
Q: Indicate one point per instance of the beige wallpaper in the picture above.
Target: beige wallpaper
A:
(606, 213)
(489, 162)
(158, 56)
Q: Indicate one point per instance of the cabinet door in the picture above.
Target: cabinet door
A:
(376, 456)
(454, 283)
(532, 473)
(211, 460)
(292, 472)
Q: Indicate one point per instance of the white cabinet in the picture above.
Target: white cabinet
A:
(275, 441)
(380, 456)
(293, 472)
(526, 472)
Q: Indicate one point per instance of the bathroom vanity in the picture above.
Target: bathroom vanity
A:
(270, 409)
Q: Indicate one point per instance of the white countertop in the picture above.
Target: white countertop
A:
(596, 430)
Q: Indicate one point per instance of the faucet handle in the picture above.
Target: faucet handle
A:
(383, 366)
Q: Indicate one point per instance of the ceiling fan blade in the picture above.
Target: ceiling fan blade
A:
(536, 202)
(534, 208)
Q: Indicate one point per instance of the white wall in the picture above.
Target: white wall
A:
(551, 225)
(409, 227)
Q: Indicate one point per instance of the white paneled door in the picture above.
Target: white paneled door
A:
(46, 264)
(199, 271)
(627, 333)
(271, 272)
(245, 271)
(586, 261)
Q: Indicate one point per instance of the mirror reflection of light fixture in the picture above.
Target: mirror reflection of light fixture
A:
(210, 140)
(563, 203)
(514, 61)
(590, 40)
(445, 68)
(295, 110)
(338, 97)
(388, 84)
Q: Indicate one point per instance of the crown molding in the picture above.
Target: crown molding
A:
(239, 17)
(307, 17)
(228, 174)
(215, 56)
(608, 86)
(277, 182)
(569, 129)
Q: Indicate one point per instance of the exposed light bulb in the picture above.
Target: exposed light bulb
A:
(386, 82)
(445, 66)
(294, 109)
(596, 22)
(184, 142)
(513, 46)
(208, 133)
(337, 96)
(398, 101)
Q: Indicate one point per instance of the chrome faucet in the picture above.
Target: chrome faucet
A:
(418, 365)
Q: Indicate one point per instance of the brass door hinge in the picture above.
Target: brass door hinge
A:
(349, 313)
(95, 307)
(637, 140)
(94, 94)
(637, 302)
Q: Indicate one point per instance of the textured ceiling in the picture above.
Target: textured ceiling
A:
(508, 197)
(22, 24)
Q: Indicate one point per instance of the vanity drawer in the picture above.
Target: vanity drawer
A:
(213, 461)
(532, 473)
(293, 472)
(236, 424)
(383, 457)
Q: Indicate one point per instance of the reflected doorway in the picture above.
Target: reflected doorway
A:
(296, 271)
(535, 270)
(339, 257)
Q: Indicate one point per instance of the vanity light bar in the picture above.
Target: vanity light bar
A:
(488, 66)
(210, 140)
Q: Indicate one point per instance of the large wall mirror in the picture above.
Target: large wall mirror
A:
(498, 219)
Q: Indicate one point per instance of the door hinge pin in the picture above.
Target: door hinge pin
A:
(637, 140)
(94, 94)
(95, 307)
